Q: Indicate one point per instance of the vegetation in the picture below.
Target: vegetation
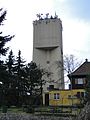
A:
(70, 63)
(87, 88)
(4, 76)
(20, 83)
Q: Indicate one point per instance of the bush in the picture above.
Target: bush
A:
(4, 109)
(30, 109)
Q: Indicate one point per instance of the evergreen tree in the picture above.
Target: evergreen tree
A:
(4, 80)
(3, 39)
(3, 50)
(19, 74)
(10, 61)
(32, 73)
(34, 81)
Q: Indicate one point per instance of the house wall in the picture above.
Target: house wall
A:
(66, 97)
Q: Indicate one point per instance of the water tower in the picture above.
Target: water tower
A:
(48, 49)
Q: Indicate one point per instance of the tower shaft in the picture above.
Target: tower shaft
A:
(48, 50)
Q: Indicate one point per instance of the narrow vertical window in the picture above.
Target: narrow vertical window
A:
(54, 95)
(57, 95)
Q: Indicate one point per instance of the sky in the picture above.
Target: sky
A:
(75, 18)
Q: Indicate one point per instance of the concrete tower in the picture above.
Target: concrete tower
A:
(48, 50)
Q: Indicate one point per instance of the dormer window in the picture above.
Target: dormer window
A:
(79, 81)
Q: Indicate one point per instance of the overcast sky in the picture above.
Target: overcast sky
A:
(75, 18)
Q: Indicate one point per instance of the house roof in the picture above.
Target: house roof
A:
(84, 69)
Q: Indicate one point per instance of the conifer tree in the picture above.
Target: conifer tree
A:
(10, 62)
(3, 39)
(34, 81)
(19, 73)
(33, 76)
(3, 50)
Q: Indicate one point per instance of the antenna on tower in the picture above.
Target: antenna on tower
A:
(56, 16)
(39, 16)
(47, 15)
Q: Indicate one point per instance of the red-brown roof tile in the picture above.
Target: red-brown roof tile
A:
(84, 69)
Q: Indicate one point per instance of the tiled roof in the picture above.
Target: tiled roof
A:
(84, 69)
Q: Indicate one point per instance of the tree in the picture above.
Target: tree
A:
(3, 39)
(3, 50)
(4, 78)
(19, 74)
(87, 89)
(70, 63)
(32, 73)
(34, 80)
(9, 63)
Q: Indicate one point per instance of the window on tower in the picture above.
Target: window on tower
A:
(48, 62)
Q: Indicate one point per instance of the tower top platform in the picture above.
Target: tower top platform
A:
(46, 19)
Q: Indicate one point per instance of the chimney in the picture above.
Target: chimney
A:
(86, 60)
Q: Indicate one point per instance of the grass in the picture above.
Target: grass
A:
(12, 109)
(56, 111)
